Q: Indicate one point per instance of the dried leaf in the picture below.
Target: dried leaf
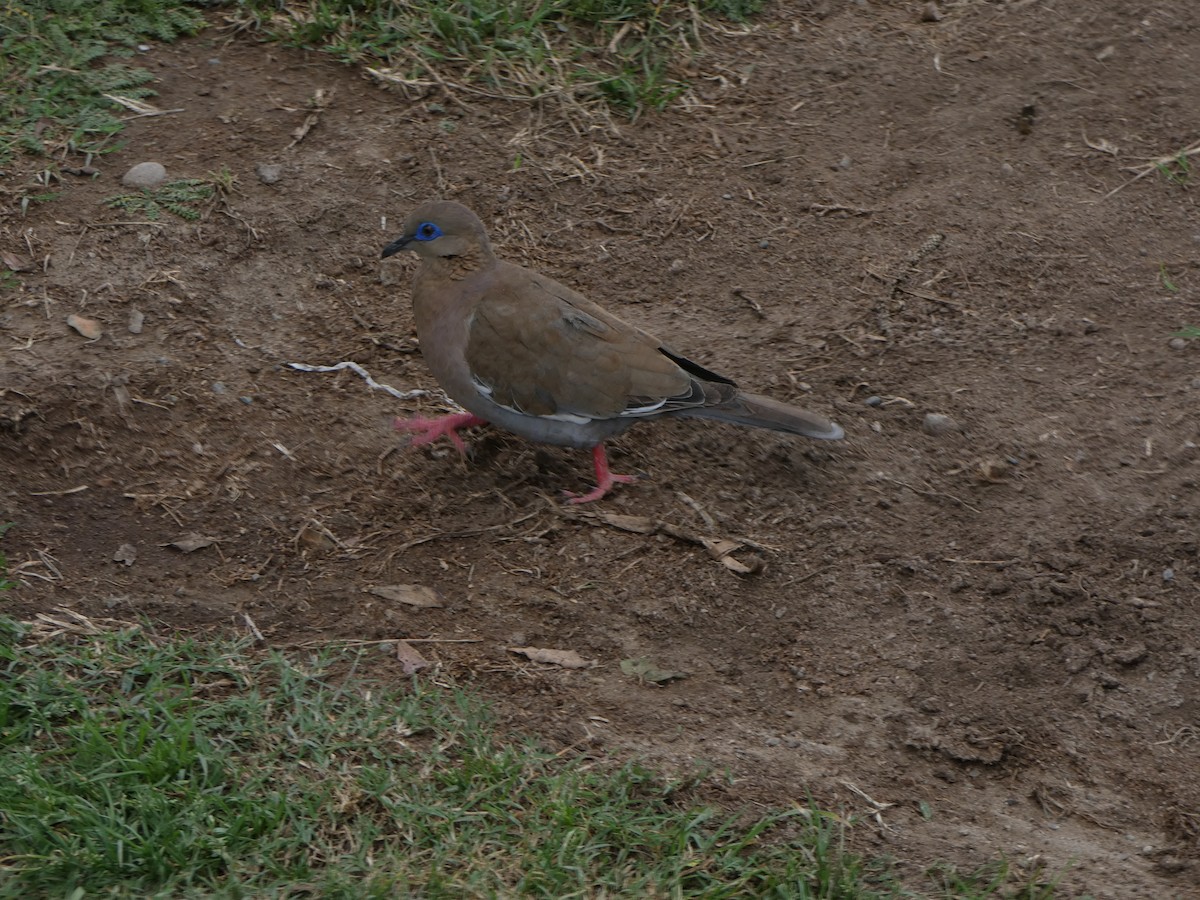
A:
(1103, 145)
(191, 542)
(410, 660)
(411, 594)
(636, 524)
(16, 262)
(312, 537)
(568, 659)
(644, 670)
(722, 549)
(89, 328)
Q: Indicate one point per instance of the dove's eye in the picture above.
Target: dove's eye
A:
(427, 231)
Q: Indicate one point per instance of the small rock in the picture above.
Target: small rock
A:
(146, 175)
(677, 266)
(1007, 169)
(764, 244)
(938, 424)
(931, 13)
(1172, 864)
(89, 328)
(874, 400)
(1177, 343)
(1131, 655)
(392, 274)
(126, 553)
(269, 173)
(218, 387)
(136, 320)
(1168, 574)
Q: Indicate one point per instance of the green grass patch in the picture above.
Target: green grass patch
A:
(185, 198)
(132, 765)
(625, 55)
(1176, 169)
(1164, 278)
(6, 583)
(63, 61)
(68, 69)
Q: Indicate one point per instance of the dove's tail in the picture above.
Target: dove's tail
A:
(757, 411)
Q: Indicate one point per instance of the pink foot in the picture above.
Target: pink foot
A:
(426, 431)
(605, 480)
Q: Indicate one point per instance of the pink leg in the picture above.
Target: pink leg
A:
(426, 431)
(604, 478)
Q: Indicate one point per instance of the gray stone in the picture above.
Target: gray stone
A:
(938, 424)
(269, 173)
(146, 175)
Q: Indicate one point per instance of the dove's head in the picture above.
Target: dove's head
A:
(441, 229)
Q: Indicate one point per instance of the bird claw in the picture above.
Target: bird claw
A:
(426, 431)
(600, 490)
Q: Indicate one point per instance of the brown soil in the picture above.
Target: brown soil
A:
(991, 633)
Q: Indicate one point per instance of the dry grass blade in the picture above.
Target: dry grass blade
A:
(1157, 164)
(46, 627)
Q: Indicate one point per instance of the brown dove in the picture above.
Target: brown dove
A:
(521, 351)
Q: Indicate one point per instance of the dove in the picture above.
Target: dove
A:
(527, 354)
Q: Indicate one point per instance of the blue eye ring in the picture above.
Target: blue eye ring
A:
(427, 231)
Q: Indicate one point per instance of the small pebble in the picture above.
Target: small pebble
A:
(89, 328)
(246, 400)
(1177, 343)
(764, 244)
(136, 320)
(218, 387)
(1168, 574)
(145, 175)
(269, 173)
(677, 266)
(874, 400)
(931, 13)
(1007, 169)
(938, 424)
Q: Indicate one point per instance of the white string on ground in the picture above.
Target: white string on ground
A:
(365, 376)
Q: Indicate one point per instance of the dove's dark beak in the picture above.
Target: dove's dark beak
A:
(396, 246)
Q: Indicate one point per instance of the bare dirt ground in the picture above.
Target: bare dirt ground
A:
(992, 633)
